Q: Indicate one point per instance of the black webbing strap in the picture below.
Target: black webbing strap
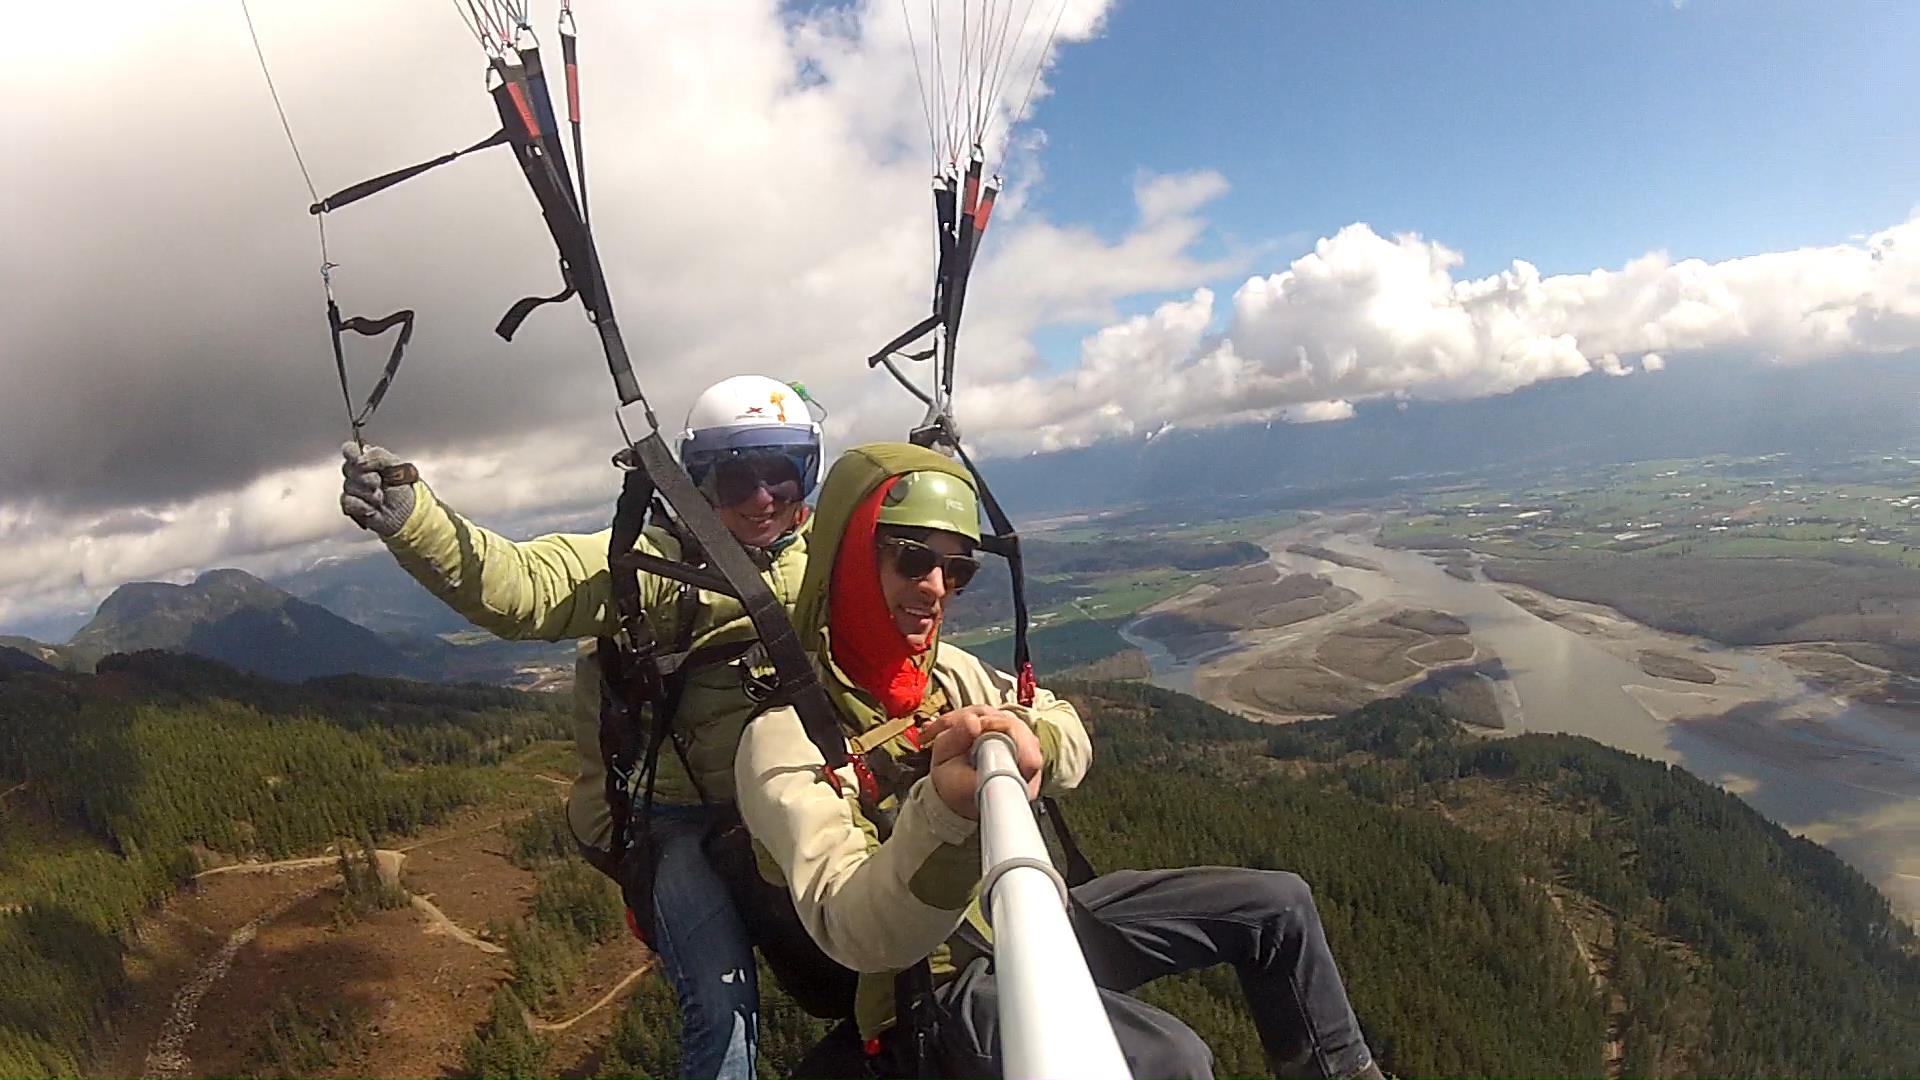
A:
(629, 520)
(799, 683)
(1078, 870)
(709, 580)
(630, 680)
(960, 224)
(509, 323)
(911, 335)
(569, 56)
(886, 353)
(360, 324)
(954, 271)
(1005, 542)
(355, 192)
(913, 1007)
(946, 215)
(579, 263)
(707, 656)
(535, 75)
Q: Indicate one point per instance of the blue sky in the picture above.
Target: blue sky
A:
(1571, 135)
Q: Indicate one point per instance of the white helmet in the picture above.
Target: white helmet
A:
(751, 416)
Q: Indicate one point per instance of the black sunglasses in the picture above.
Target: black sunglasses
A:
(916, 560)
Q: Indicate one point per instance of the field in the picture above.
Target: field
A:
(1086, 582)
(1746, 551)
(1722, 507)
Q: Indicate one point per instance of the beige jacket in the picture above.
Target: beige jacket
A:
(874, 907)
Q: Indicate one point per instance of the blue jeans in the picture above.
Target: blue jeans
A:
(705, 948)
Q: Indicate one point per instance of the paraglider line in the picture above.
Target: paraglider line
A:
(326, 264)
(920, 81)
(1039, 65)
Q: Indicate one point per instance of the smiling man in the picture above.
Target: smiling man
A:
(753, 449)
(881, 858)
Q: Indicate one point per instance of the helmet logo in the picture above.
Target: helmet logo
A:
(779, 403)
(754, 410)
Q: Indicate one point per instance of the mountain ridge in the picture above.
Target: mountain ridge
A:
(1697, 406)
(232, 616)
(255, 626)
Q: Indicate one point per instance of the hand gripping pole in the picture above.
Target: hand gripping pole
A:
(1053, 1023)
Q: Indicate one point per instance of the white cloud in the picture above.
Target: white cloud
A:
(1164, 197)
(1318, 412)
(1364, 316)
(760, 194)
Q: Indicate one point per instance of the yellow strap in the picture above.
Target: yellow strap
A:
(931, 706)
(873, 737)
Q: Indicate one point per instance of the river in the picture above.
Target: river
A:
(1849, 777)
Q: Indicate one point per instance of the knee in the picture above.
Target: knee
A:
(1285, 895)
(1178, 1054)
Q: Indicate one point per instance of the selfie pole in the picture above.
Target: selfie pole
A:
(1053, 1023)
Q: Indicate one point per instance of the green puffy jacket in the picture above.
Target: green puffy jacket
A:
(555, 588)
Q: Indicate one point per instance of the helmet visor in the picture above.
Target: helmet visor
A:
(729, 477)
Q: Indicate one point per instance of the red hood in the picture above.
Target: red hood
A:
(866, 644)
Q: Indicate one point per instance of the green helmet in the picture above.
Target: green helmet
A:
(932, 500)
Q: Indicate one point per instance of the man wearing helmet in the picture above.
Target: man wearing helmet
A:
(753, 448)
(892, 542)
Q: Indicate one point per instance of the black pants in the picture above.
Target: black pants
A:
(1137, 925)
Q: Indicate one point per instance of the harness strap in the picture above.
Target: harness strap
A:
(686, 663)
(678, 571)
(909, 336)
(1005, 542)
(872, 737)
(535, 75)
(509, 323)
(355, 192)
(630, 678)
(569, 56)
(1078, 870)
(579, 262)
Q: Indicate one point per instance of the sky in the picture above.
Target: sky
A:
(1215, 213)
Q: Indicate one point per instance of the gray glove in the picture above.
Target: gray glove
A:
(378, 494)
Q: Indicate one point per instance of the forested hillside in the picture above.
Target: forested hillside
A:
(115, 780)
(1724, 945)
(1530, 906)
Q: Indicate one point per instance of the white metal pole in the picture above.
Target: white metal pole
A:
(1053, 1025)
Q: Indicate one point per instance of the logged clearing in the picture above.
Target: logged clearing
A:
(210, 964)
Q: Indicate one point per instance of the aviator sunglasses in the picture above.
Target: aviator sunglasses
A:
(916, 560)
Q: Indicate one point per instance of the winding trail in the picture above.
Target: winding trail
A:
(167, 1058)
(282, 866)
(606, 999)
(447, 926)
